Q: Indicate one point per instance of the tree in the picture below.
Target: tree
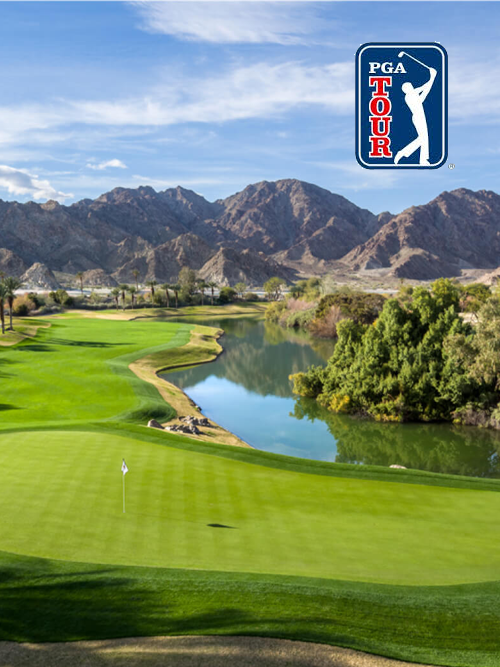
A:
(132, 290)
(152, 284)
(79, 276)
(213, 286)
(136, 274)
(274, 288)
(176, 288)
(3, 297)
(227, 294)
(123, 290)
(473, 297)
(240, 288)
(402, 366)
(202, 286)
(115, 293)
(167, 287)
(11, 285)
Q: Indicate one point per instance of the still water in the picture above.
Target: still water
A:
(247, 391)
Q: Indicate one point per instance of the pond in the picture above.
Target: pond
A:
(247, 391)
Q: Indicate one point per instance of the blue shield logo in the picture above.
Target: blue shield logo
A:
(401, 105)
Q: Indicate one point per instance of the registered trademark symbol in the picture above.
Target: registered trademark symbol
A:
(451, 166)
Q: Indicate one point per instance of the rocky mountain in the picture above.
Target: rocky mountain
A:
(457, 230)
(38, 276)
(230, 266)
(287, 228)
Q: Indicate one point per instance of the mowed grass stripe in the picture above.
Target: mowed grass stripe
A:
(66, 489)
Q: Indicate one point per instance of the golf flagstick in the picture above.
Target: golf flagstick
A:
(124, 471)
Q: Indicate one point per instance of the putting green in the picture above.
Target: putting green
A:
(61, 498)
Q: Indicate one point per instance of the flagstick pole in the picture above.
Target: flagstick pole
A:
(123, 493)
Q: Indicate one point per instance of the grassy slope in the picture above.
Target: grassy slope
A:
(61, 497)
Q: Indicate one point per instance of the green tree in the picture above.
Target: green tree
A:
(402, 367)
(274, 288)
(3, 297)
(79, 276)
(473, 297)
(123, 291)
(227, 294)
(115, 294)
(240, 289)
(176, 288)
(11, 285)
(136, 274)
(132, 290)
(202, 286)
(152, 284)
(213, 286)
(166, 287)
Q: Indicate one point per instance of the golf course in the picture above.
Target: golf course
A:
(217, 538)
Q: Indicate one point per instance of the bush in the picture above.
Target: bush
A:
(227, 295)
(23, 305)
(62, 298)
(38, 299)
(251, 296)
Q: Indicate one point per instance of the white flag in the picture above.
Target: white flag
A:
(124, 467)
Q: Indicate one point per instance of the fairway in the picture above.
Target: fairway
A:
(219, 539)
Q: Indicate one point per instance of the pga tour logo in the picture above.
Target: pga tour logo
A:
(401, 106)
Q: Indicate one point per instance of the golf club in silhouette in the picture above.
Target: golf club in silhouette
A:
(415, 98)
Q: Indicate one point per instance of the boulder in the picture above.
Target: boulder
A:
(152, 423)
(196, 421)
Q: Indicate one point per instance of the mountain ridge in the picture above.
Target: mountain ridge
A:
(286, 227)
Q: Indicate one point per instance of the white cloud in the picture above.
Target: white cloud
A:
(118, 164)
(474, 90)
(231, 22)
(21, 182)
(256, 91)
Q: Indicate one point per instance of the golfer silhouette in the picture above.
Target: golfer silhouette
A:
(415, 98)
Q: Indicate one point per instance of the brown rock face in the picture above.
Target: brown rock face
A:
(455, 231)
(38, 276)
(230, 266)
(11, 264)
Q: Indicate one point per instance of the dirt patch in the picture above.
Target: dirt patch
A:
(188, 652)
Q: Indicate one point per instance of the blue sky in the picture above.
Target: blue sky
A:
(216, 95)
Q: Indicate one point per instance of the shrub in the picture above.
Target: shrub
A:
(227, 295)
(308, 384)
(251, 296)
(23, 305)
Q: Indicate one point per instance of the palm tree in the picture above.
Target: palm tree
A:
(212, 285)
(132, 291)
(166, 287)
(202, 286)
(115, 293)
(152, 284)
(3, 296)
(135, 273)
(79, 275)
(123, 289)
(176, 289)
(11, 284)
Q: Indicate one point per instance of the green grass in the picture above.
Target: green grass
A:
(77, 371)
(400, 563)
